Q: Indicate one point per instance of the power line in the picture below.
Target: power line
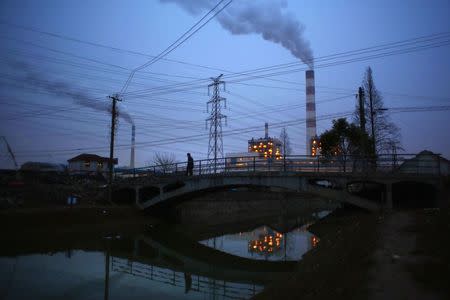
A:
(239, 77)
(352, 51)
(98, 45)
(331, 57)
(342, 62)
(179, 41)
(249, 129)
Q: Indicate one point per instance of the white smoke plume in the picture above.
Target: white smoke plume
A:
(264, 17)
(64, 89)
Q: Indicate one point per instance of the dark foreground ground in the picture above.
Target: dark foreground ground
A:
(400, 255)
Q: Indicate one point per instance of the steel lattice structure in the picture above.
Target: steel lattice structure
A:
(215, 146)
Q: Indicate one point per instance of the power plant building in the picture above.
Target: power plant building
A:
(316, 146)
(266, 147)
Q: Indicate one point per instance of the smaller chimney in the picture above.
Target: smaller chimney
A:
(266, 128)
(133, 133)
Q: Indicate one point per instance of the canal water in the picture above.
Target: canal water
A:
(166, 262)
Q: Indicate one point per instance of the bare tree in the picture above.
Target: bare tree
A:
(285, 142)
(164, 161)
(379, 126)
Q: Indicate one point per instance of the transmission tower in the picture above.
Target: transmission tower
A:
(215, 147)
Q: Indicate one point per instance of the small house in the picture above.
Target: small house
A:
(89, 164)
(426, 162)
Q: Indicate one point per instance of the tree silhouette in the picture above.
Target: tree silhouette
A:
(379, 126)
(285, 142)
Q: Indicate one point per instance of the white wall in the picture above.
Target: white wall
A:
(80, 166)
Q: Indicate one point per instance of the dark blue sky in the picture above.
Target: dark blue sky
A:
(53, 88)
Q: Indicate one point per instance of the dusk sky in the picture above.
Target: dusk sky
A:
(61, 59)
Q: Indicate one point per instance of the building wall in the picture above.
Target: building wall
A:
(88, 167)
(269, 147)
(240, 159)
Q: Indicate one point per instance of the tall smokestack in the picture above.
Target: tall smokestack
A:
(310, 110)
(133, 134)
(266, 130)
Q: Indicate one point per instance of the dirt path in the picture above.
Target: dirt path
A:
(390, 278)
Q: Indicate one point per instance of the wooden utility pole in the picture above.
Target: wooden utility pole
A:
(362, 112)
(114, 98)
(372, 115)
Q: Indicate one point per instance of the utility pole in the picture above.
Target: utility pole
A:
(11, 153)
(362, 119)
(362, 115)
(215, 147)
(114, 99)
(372, 114)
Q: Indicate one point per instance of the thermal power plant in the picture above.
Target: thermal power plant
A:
(133, 134)
(311, 131)
(267, 147)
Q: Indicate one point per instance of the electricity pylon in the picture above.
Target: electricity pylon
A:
(215, 147)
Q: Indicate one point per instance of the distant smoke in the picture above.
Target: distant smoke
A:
(266, 18)
(63, 89)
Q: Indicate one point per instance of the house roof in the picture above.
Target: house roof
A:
(91, 157)
(429, 153)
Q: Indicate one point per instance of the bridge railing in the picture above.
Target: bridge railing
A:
(192, 282)
(384, 163)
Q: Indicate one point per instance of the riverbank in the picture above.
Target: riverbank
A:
(401, 255)
(27, 230)
(68, 219)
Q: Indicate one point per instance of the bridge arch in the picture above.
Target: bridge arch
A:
(369, 189)
(125, 195)
(288, 182)
(147, 192)
(179, 195)
(414, 194)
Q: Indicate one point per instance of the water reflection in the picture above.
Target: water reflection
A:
(90, 275)
(160, 263)
(191, 283)
(265, 243)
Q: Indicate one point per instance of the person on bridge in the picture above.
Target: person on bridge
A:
(190, 165)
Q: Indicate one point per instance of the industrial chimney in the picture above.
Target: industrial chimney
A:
(266, 130)
(133, 133)
(310, 110)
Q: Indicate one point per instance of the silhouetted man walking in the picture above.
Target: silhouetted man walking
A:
(190, 165)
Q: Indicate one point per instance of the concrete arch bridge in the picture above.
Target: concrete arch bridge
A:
(338, 187)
